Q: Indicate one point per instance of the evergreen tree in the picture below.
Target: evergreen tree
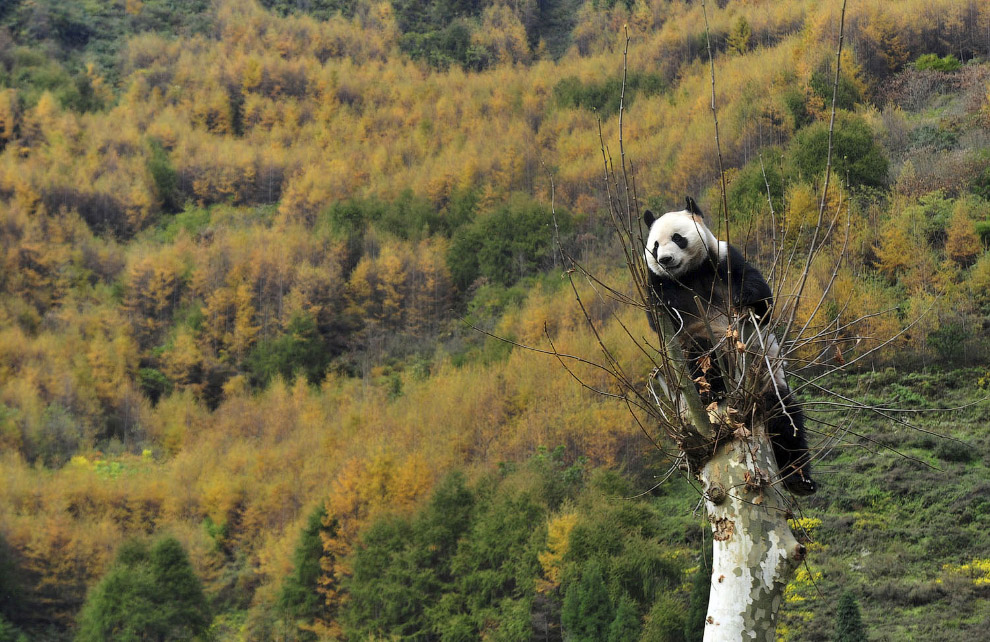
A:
(9, 632)
(848, 625)
(588, 610)
(626, 624)
(299, 598)
(665, 621)
(391, 584)
(11, 607)
(146, 595)
(164, 176)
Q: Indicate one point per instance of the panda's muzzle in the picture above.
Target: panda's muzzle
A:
(665, 260)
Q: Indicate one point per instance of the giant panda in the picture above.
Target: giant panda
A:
(688, 265)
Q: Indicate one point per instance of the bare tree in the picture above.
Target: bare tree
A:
(723, 443)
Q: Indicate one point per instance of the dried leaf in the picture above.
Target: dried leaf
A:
(705, 363)
(703, 385)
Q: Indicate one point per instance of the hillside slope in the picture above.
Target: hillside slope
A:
(242, 246)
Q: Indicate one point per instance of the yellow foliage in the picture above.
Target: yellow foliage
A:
(962, 244)
(558, 536)
(978, 571)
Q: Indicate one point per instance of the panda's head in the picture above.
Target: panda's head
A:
(679, 242)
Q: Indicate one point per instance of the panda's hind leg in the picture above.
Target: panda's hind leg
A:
(790, 444)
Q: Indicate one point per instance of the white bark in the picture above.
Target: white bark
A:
(755, 551)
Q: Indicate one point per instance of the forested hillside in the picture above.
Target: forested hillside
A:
(243, 244)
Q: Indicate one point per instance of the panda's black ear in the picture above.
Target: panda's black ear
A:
(692, 207)
(648, 218)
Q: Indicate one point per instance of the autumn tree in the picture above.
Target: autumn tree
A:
(962, 245)
(738, 39)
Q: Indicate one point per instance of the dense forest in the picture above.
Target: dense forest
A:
(250, 249)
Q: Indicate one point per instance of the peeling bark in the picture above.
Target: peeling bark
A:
(755, 552)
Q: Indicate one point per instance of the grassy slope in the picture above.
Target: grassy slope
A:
(892, 522)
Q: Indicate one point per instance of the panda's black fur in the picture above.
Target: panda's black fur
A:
(679, 296)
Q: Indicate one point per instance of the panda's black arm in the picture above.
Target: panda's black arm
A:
(749, 288)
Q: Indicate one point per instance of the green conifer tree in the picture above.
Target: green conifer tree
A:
(588, 611)
(147, 595)
(626, 624)
(299, 598)
(848, 624)
(10, 633)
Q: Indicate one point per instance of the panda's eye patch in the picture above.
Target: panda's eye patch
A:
(679, 240)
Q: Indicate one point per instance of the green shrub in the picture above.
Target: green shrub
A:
(983, 229)
(694, 623)
(463, 563)
(626, 624)
(406, 217)
(665, 621)
(855, 156)
(604, 97)
(588, 612)
(948, 341)
(193, 221)
(747, 194)
(932, 61)
(514, 241)
(934, 137)
(154, 383)
(797, 105)
(300, 351)
(847, 95)
(320, 9)
(980, 183)
(951, 450)
(58, 437)
(932, 215)
(450, 45)
(163, 175)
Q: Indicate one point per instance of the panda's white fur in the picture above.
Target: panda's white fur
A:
(701, 244)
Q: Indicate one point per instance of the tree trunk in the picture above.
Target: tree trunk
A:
(755, 552)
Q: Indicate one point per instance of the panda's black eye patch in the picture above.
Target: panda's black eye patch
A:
(679, 241)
